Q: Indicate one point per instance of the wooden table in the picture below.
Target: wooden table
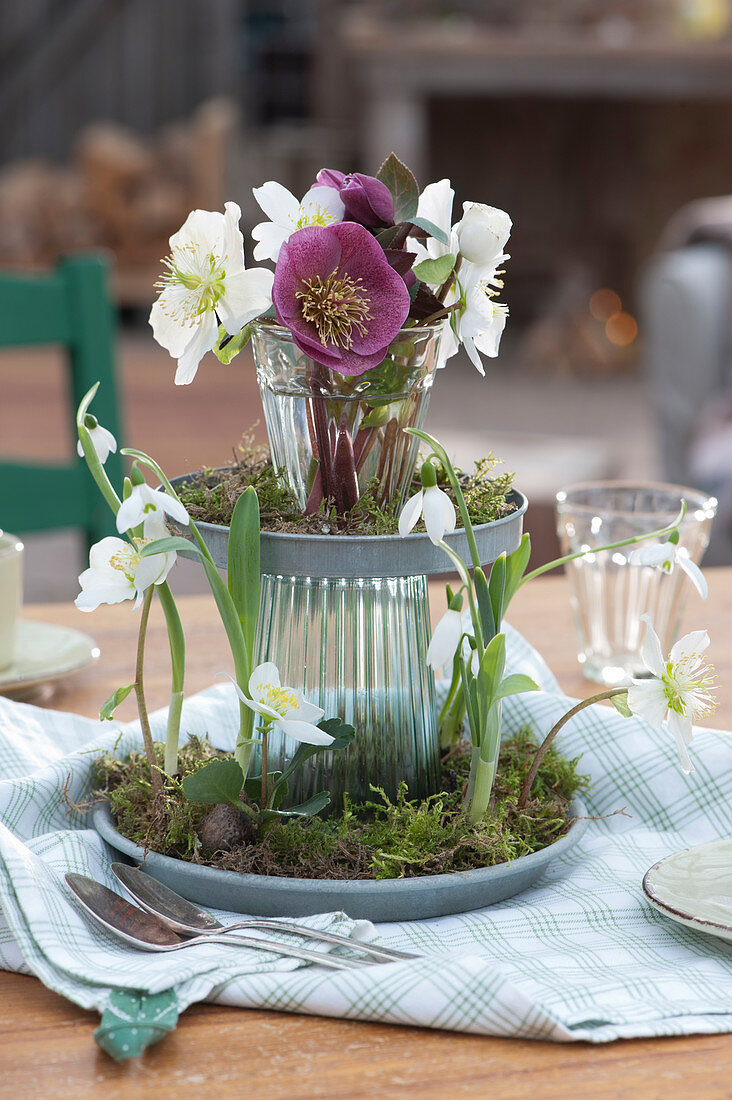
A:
(46, 1047)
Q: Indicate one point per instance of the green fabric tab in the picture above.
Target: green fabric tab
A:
(133, 1021)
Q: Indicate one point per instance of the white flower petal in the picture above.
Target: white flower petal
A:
(660, 554)
(321, 205)
(202, 231)
(271, 237)
(439, 513)
(265, 675)
(171, 334)
(233, 256)
(410, 513)
(651, 652)
(304, 731)
(435, 204)
(247, 295)
(279, 204)
(304, 710)
(694, 574)
(203, 340)
(690, 645)
(647, 700)
(445, 640)
(682, 730)
(153, 570)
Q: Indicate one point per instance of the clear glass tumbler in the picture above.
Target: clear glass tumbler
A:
(331, 434)
(608, 594)
(356, 647)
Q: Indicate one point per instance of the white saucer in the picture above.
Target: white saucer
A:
(694, 887)
(45, 652)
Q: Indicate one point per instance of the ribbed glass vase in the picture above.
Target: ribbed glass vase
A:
(331, 434)
(361, 643)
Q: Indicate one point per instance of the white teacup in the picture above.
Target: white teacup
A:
(11, 594)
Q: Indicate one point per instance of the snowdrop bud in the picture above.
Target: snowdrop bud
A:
(483, 232)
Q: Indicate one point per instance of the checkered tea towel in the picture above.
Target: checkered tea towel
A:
(580, 955)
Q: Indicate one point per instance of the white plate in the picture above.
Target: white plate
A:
(45, 652)
(694, 887)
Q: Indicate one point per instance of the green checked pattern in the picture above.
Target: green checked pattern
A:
(581, 955)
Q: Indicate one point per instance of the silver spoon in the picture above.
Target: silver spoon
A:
(143, 931)
(182, 916)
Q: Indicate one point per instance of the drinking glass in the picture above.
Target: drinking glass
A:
(608, 593)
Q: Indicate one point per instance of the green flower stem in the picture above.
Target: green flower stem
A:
(441, 454)
(264, 731)
(229, 616)
(660, 533)
(155, 779)
(463, 574)
(450, 721)
(177, 642)
(543, 747)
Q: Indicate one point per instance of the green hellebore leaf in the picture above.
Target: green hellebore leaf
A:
(114, 701)
(403, 186)
(432, 229)
(436, 271)
(218, 781)
(620, 702)
(276, 785)
(227, 347)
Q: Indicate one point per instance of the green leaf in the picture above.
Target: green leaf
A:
(164, 546)
(403, 186)
(342, 735)
(436, 271)
(515, 568)
(516, 684)
(497, 587)
(232, 345)
(243, 576)
(277, 786)
(310, 808)
(114, 701)
(380, 415)
(432, 229)
(485, 609)
(491, 668)
(386, 236)
(218, 781)
(620, 702)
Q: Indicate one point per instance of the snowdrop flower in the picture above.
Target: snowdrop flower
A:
(321, 206)
(445, 640)
(432, 503)
(117, 572)
(149, 506)
(665, 556)
(482, 233)
(206, 284)
(679, 687)
(281, 706)
(102, 439)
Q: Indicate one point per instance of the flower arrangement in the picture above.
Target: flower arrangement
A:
(363, 266)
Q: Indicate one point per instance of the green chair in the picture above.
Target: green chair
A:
(68, 307)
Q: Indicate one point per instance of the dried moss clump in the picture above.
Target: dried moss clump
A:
(210, 496)
(376, 839)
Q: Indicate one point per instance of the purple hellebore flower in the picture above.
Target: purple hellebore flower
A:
(367, 200)
(335, 291)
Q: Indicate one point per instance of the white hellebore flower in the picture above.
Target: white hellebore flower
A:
(149, 506)
(445, 640)
(117, 572)
(480, 321)
(102, 439)
(679, 686)
(321, 206)
(437, 509)
(482, 233)
(206, 283)
(665, 556)
(286, 707)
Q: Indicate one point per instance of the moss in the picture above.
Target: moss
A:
(210, 496)
(379, 838)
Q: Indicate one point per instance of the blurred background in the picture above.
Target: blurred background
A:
(602, 126)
